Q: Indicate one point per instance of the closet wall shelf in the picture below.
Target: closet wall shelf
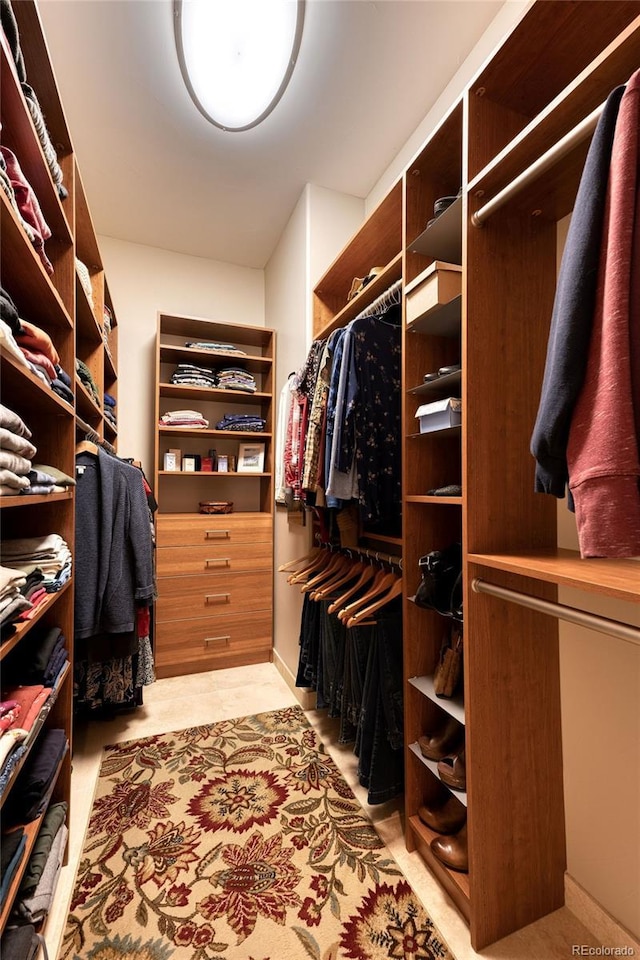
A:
(456, 884)
(211, 394)
(24, 626)
(441, 322)
(110, 373)
(611, 578)
(19, 135)
(87, 325)
(18, 380)
(391, 273)
(87, 249)
(31, 831)
(170, 353)
(222, 434)
(21, 262)
(87, 406)
(446, 382)
(33, 733)
(448, 501)
(443, 239)
(451, 705)
(30, 501)
(210, 473)
(433, 767)
(446, 431)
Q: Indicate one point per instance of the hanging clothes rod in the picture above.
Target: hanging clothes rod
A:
(386, 299)
(613, 628)
(564, 146)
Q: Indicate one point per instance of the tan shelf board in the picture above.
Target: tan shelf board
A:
(18, 379)
(443, 239)
(381, 538)
(451, 431)
(457, 884)
(199, 328)
(391, 273)
(211, 394)
(612, 578)
(25, 626)
(454, 706)
(611, 67)
(231, 434)
(435, 386)
(30, 501)
(87, 325)
(31, 831)
(19, 134)
(87, 249)
(209, 473)
(449, 501)
(21, 262)
(35, 730)
(442, 321)
(171, 353)
(196, 513)
(84, 400)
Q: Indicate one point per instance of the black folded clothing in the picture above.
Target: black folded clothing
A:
(26, 799)
(20, 943)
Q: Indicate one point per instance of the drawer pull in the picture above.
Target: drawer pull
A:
(216, 534)
(208, 640)
(225, 561)
(217, 597)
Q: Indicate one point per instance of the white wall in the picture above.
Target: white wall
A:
(318, 228)
(144, 280)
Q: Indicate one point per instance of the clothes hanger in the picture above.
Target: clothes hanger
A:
(320, 561)
(367, 574)
(381, 583)
(360, 617)
(290, 564)
(87, 446)
(343, 577)
(336, 565)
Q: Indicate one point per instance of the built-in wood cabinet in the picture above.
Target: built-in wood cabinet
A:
(57, 304)
(215, 571)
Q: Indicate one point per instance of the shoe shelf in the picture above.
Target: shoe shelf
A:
(619, 579)
(442, 240)
(445, 431)
(449, 382)
(433, 767)
(456, 884)
(454, 706)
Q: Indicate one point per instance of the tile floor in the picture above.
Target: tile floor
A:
(203, 698)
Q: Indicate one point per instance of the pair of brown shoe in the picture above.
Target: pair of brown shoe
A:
(446, 746)
(446, 815)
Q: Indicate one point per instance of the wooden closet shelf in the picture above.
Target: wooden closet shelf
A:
(456, 884)
(448, 501)
(391, 273)
(30, 501)
(445, 431)
(612, 578)
(171, 353)
(435, 386)
(454, 706)
(231, 434)
(87, 325)
(220, 475)
(211, 394)
(443, 239)
(24, 626)
(87, 406)
(18, 380)
(110, 372)
(432, 765)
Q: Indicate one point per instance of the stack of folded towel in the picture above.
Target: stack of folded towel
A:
(236, 378)
(227, 348)
(189, 373)
(183, 418)
(241, 421)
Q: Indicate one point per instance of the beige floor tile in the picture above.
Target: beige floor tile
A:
(179, 702)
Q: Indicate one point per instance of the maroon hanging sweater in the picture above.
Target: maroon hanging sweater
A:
(603, 451)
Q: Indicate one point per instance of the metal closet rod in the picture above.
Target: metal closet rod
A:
(579, 133)
(388, 558)
(613, 628)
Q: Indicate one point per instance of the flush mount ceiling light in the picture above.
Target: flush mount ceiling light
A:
(237, 56)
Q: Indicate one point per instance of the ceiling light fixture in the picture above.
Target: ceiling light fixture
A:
(237, 56)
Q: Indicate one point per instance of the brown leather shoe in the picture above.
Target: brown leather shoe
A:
(445, 742)
(452, 851)
(444, 816)
(452, 771)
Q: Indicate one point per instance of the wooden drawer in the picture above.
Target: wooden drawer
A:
(218, 557)
(438, 286)
(213, 595)
(212, 643)
(182, 529)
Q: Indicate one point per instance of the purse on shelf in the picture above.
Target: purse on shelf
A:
(447, 676)
(441, 585)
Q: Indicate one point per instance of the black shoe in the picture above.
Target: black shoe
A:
(451, 490)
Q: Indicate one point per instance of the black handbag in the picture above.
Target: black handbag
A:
(441, 585)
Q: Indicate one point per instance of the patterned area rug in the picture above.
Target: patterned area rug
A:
(238, 840)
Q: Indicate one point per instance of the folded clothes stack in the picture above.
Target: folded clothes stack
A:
(183, 418)
(241, 421)
(236, 378)
(22, 198)
(85, 281)
(50, 555)
(28, 796)
(227, 348)
(39, 658)
(87, 379)
(12, 852)
(20, 943)
(189, 373)
(35, 894)
(12, 600)
(33, 348)
(109, 409)
(16, 452)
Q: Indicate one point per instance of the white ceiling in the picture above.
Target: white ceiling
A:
(157, 173)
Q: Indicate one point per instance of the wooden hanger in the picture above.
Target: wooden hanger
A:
(87, 446)
(338, 580)
(337, 564)
(379, 586)
(291, 564)
(360, 617)
(366, 575)
(320, 561)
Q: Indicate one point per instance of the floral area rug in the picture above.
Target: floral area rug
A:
(239, 840)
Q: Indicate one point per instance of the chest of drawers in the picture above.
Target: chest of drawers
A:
(215, 592)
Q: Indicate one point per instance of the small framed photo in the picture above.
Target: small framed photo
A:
(170, 462)
(223, 463)
(250, 458)
(189, 464)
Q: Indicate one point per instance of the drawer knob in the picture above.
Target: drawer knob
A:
(209, 640)
(222, 561)
(217, 598)
(216, 534)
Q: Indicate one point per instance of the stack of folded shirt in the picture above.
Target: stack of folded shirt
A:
(26, 204)
(227, 348)
(109, 410)
(38, 659)
(62, 385)
(20, 943)
(11, 853)
(87, 379)
(82, 272)
(241, 421)
(43, 480)
(16, 452)
(183, 418)
(191, 374)
(29, 702)
(38, 884)
(50, 555)
(28, 797)
(236, 378)
(12, 601)
(12, 749)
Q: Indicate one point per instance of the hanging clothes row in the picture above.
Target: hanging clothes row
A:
(341, 442)
(114, 586)
(351, 655)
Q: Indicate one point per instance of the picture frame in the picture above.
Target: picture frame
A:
(251, 457)
(223, 463)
